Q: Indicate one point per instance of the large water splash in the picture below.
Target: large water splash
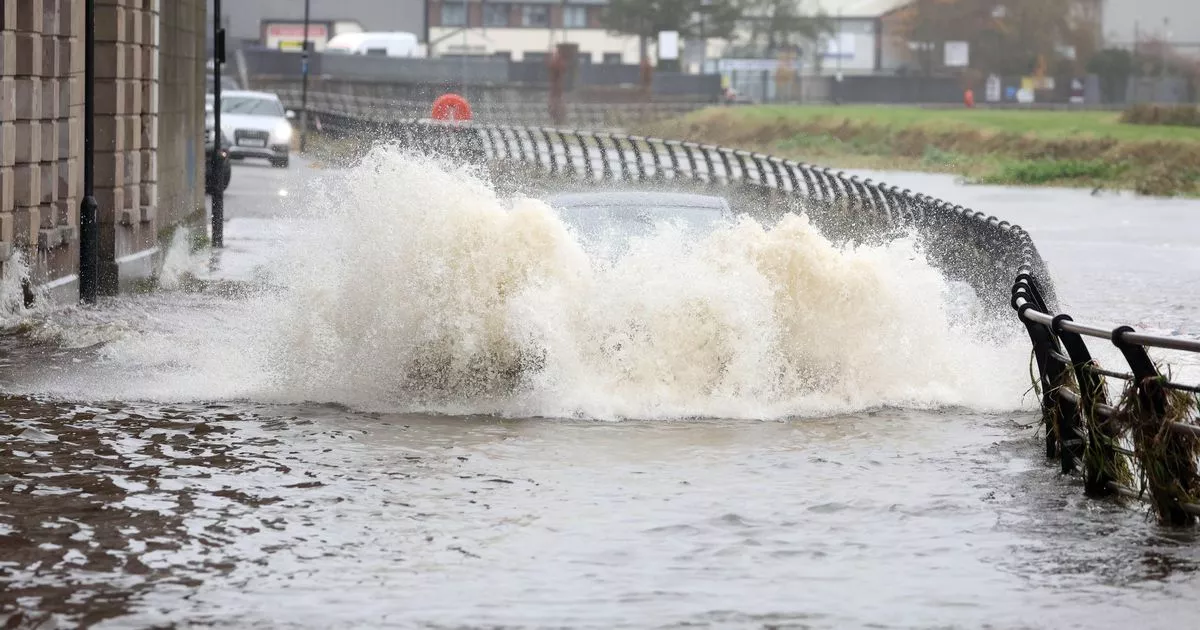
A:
(426, 289)
(412, 285)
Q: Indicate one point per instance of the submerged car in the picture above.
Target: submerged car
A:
(257, 125)
(608, 220)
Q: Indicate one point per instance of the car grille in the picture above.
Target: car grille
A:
(245, 134)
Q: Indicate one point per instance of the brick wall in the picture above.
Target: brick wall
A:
(41, 131)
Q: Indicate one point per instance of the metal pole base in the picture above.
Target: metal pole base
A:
(89, 250)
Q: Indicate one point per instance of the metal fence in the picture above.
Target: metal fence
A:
(1151, 433)
(970, 246)
(325, 105)
(469, 71)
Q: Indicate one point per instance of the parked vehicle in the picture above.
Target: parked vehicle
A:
(216, 174)
(383, 44)
(606, 221)
(257, 125)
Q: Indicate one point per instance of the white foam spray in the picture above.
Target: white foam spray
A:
(177, 261)
(415, 287)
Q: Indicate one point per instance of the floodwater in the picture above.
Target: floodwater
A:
(328, 425)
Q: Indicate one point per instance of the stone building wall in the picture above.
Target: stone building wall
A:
(41, 133)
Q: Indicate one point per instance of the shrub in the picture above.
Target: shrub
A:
(1171, 115)
(1033, 172)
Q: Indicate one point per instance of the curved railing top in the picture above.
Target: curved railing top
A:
(1002, 250)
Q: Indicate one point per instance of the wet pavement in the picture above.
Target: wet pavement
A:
(133, 495)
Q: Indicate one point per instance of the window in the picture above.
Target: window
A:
(252, 106)
(575, 17)
(496, 14)
(454, 13)
(612, 59)
(535, 15)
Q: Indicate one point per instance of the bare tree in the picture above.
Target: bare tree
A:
(775, 25)
(1007, 36)
(647, 18)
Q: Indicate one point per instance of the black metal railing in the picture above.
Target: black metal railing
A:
(1148, 432)
(1151, 433)
(506, 112)
(969, 246)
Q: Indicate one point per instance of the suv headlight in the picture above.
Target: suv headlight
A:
(283, 131)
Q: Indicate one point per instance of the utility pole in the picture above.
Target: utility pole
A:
(89, 227)
(1166, 43)
(304, 81)
(218, 194)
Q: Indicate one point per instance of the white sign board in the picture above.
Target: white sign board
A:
(840, 46)
(993, 88)
(958, 54)
(668, 45)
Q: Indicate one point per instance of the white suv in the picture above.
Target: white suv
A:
(257, 125)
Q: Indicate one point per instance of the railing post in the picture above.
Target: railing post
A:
(1051, 371)
(1098, 456)
(1167, 458)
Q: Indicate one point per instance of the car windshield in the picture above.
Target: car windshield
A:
(608, 228)
(638, 219)
(251, 106)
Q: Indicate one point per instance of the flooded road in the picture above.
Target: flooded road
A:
(162, 467)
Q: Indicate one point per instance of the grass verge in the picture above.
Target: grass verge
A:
(1077, 149)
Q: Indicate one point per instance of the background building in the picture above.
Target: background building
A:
(149, 125)
(526, 30)
(1176, 21)
(269, 21)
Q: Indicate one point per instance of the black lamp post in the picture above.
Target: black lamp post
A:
(218, 193)
(304, 83)
(89, 228)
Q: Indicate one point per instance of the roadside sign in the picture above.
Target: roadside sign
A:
(290, 35)
(992, 88)
(668, 45)
(958, 54)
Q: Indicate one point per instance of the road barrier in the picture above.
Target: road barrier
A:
(1151, 433)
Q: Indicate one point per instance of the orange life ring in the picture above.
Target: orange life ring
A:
(451, 107)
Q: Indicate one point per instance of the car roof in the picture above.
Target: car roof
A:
(268, 96)
(639, 198)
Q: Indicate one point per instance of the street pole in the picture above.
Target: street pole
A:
(89, 228)
(304, 84)
(218, 193)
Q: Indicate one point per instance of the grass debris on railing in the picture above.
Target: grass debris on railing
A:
(1167, 457)
(1156, 415)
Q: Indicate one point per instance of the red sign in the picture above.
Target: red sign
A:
(278, 30)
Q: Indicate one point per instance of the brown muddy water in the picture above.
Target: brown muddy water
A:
(695, 451)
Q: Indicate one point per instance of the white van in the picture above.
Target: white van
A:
(394, 44)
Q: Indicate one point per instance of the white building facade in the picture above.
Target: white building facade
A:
(527, 30)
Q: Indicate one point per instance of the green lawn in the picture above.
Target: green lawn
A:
(1041, 123)
(1025, 147)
